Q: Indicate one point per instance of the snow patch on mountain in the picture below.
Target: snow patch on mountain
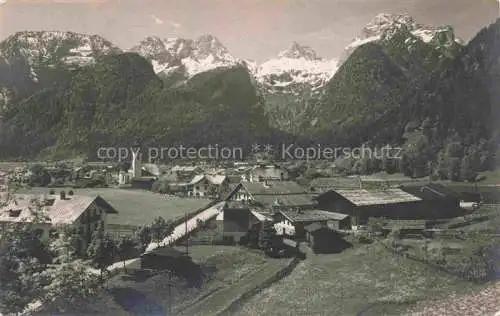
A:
(195, 56)
(52, 47)
(385, 24)
(296, 65)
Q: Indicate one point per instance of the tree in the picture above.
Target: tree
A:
(125, 245)
(142, 237)
(454, 169)
(39, 176)
(71, 282)
(161, 229)
(19, 279)
(20, 268)
(267, 235)
(101, 249)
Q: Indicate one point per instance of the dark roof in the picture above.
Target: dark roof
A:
(234, 178)
(286, 193)
(108, 207)
(321, 184)
(165, 252)
(274, 188)
(285, 199)
(312, 215)
(314, 227)
(431, 191)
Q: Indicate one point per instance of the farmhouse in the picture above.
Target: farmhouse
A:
(363, 204)
(83, 212)
(276, 195)
(263, 172)
(184, 173)
(207, 185)
(323, 239)
(293, 222)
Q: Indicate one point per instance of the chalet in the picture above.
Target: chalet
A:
(363, 204)
(184, 173)
(276, 195)
(292, 222)
(238, 219)
(207, 185)
(263, 172)
(323, 239)
(83, 212)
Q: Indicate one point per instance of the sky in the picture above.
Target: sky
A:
(250, 29)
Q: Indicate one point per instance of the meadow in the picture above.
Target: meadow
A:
(367, 280)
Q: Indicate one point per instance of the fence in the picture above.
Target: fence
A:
(235, 305)
(462, 273)
(120, 230)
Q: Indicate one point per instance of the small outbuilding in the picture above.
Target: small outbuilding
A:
(323, 239)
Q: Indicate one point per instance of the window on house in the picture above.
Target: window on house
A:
(14, 213)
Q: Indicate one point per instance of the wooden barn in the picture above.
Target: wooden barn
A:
(323, 239)
(362, 204)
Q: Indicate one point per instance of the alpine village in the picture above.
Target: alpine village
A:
(89, 230)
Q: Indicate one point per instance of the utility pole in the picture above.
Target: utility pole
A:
(187, 237)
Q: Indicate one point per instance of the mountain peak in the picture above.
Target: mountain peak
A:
(384, 22)
(385, 26)
(298, 51)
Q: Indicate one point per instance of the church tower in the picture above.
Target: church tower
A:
(136, 164)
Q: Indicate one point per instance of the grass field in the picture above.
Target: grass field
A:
(362, 281)
(229, 272)
(136, 207)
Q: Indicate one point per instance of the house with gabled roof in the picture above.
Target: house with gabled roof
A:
(204, 185)
(270, 194)
(83, 212)
(266, 172)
